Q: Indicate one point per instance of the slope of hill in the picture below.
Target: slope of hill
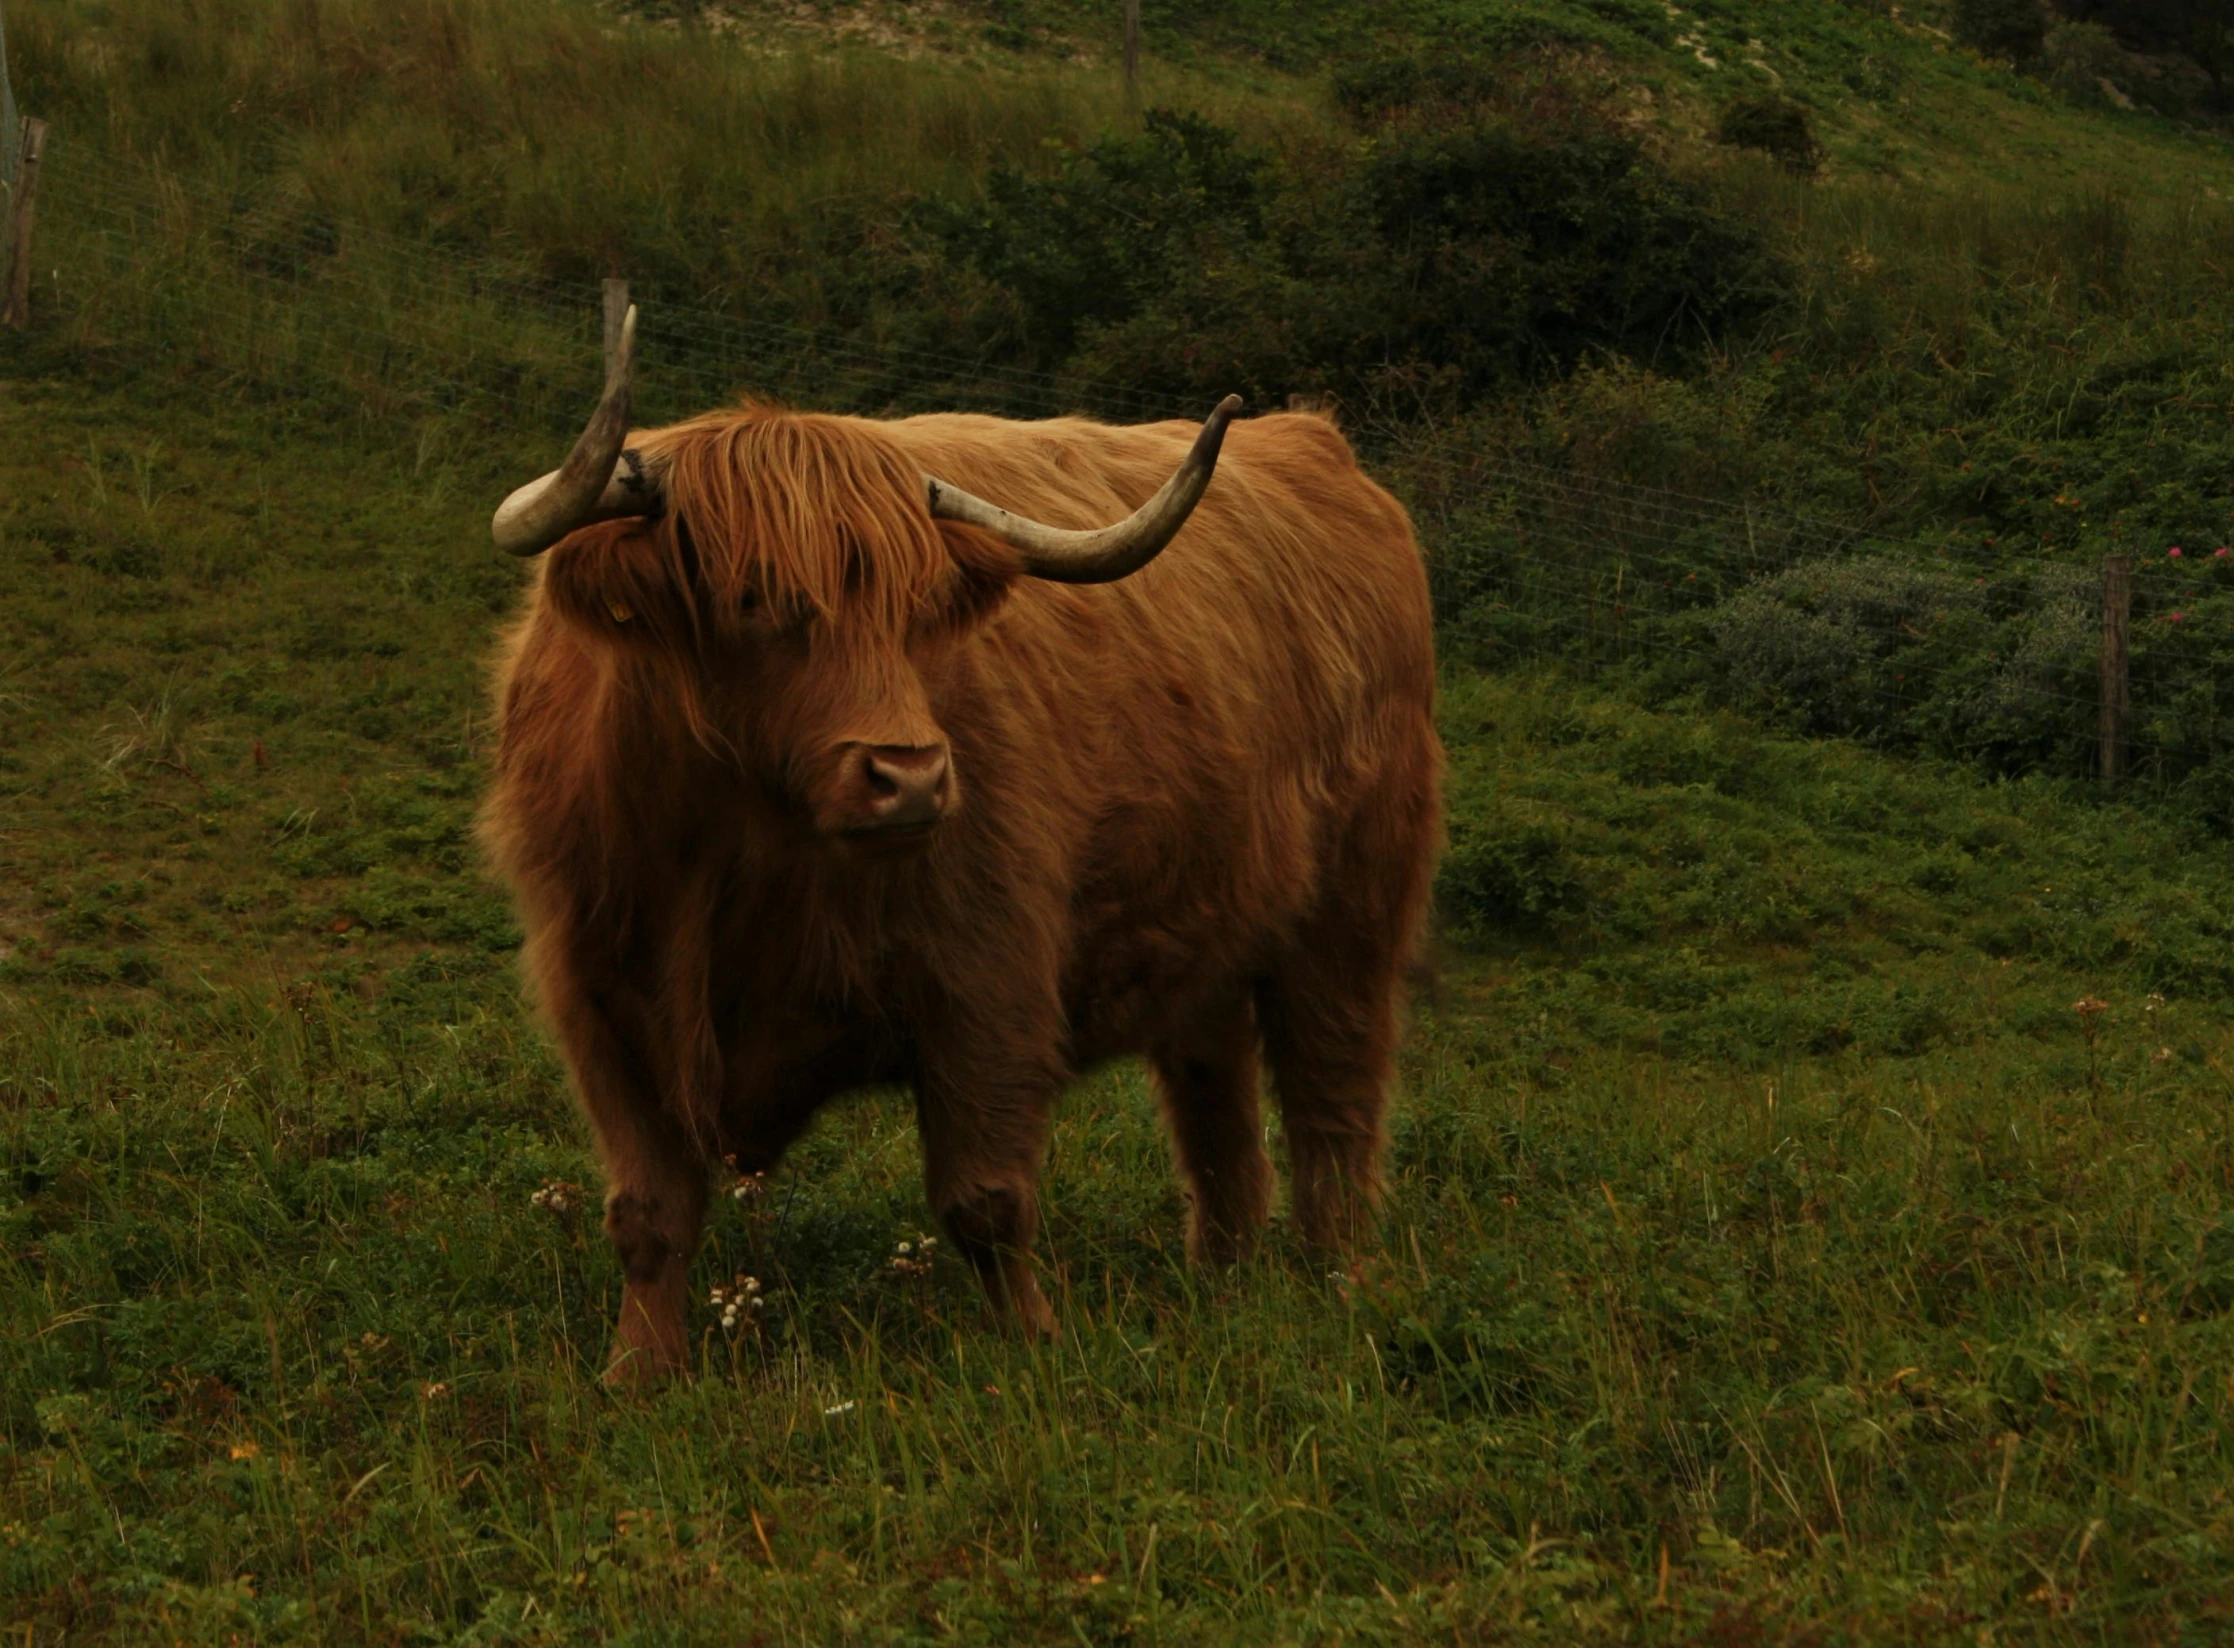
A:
(1893, 91)
(1808, 1212)
(1973, 253)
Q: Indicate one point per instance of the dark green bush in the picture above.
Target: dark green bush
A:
(1512, 252)
(1501, 878)
(2077, 57)
(2004, 28)
(1111, 233)
(1778, 126)
(1369, 91)
(1915, 657)
(1460, 251)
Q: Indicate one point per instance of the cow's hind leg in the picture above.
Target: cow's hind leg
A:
(1206, 1077)
(1329, 1040)
(1329, 1008)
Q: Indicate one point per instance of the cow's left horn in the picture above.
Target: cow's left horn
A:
(1110, 552)
(599, 480)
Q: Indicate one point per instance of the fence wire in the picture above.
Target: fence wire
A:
(1819, 623)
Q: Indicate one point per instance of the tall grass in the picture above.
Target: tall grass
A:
(414, 202)
(559, 135)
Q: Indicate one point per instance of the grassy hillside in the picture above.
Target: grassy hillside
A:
(1892, 89)
(1773, 1251)
(1808, 1216)
(1992, 316)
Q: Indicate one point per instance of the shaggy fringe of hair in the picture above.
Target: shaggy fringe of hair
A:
(811, 513)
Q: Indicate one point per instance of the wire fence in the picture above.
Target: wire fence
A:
(1819, 624)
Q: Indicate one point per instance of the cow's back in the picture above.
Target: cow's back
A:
(1195, 742)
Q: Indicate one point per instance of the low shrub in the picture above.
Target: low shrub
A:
(2079, 59)
(1376, 88)
(1462, 249)
(1497, 877)
(1830, 647)
(2002, 28)
(1918, 657)
(1778, 127)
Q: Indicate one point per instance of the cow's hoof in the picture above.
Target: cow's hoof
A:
(639, 1371)
(1030, 1317)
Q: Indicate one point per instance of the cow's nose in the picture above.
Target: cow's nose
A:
(906, 785)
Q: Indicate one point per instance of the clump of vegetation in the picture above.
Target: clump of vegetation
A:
(1912, 656)
(1779, 127)
(2013, 29)
(1498, 880)
(2177, 54)
(2078, 59)
(1386, 85)
(1463, 250)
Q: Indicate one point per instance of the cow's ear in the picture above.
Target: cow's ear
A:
(980, 553)
(615, 581)
(982, 570)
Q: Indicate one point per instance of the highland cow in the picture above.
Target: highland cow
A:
(817, 771)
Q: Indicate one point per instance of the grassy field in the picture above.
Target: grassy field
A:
(1809, 1211)
(1773, 1253)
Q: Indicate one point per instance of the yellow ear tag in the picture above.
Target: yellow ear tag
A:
(621, 614)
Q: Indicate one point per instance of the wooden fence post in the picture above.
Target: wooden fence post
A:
(616, 311)
(23, 210)
(2117, 614)
(1132, 54)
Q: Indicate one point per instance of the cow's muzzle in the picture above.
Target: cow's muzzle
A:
(895, 794)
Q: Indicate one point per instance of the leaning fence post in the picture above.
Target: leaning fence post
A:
(616, 313)
(22, 211)
(2117, 613)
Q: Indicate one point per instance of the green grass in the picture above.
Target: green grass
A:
(1769, 1257)
(1773, 1254)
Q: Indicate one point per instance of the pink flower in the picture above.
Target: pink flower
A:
(2221, 553)
(2175, 552)
(2179, 618)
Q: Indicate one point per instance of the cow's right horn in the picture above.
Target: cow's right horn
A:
(601, 480)
(1107, 553)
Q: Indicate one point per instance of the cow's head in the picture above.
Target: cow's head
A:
(808, 576)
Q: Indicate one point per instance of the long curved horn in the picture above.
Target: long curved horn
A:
(599, 481)
(1111, 552)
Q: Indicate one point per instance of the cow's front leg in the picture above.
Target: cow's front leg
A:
(655, 1180)
(984, 1131)
(655, 1207)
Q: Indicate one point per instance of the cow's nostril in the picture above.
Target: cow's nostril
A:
(905, 785)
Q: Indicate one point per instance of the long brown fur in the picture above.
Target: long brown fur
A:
(1193, 815)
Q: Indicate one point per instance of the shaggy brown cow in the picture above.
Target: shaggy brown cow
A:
(817, 771)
